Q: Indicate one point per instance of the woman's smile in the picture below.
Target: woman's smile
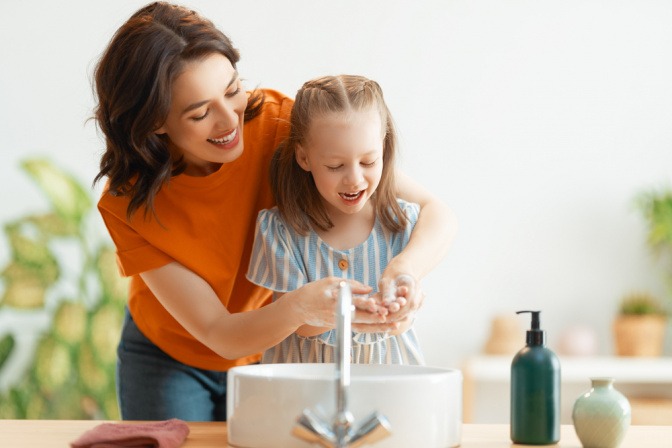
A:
(226, 141)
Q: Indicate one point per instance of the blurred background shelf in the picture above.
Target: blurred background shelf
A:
(646, 382)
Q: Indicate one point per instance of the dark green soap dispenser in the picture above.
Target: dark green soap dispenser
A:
(535, 390)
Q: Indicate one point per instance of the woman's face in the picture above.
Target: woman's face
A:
(205, 121)
(344, 153)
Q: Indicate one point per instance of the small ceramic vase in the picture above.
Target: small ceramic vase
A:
(601, 416)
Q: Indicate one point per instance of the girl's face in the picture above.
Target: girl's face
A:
(344, 153)
(205, 121)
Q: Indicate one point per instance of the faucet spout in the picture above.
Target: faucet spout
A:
(342, 433)
(344, 419)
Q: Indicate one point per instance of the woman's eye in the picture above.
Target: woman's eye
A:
(334, 168)
(234, 93)
(370, 164)
(200, 117)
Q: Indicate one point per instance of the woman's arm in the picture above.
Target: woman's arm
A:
(429, 242)
(307, 330)
(432, 236)
(195, 305)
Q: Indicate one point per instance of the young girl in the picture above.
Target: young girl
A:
(337, 214)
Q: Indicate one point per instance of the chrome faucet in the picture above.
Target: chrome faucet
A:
(341, 433)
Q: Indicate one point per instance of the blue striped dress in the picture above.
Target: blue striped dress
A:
(284, 260)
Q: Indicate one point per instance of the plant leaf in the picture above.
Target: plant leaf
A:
(67, 196)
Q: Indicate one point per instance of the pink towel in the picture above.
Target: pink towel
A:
(164, 434)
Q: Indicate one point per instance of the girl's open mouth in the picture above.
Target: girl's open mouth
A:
(351, 196)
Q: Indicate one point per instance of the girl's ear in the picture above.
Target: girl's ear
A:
(160, 131)
(302, 158)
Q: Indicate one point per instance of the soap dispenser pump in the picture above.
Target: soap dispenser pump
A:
(535, 390)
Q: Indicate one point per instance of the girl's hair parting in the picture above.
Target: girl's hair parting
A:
(133, 82)
(294, 189)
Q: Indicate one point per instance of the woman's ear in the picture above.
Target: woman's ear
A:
(302, 158)
(161, 130)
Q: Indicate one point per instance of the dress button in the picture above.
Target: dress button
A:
(343, 264)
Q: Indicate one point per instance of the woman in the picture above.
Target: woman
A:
(187, 158)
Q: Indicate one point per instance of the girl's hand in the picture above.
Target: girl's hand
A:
(402, 296)
(398, 273)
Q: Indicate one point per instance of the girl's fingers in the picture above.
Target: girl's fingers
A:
(388, 290)
(358, 288)
(364, 303)
(394, 307)
(333, 286)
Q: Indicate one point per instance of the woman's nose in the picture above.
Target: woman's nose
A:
(227, 118)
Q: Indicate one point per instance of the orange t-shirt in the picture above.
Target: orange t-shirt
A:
(207, 225)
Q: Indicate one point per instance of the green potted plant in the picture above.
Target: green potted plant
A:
(656, 207)
(61, 278)
(639, 327)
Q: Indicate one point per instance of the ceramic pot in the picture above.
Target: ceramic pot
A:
(639, 335)
(602, 415)
(506, 336)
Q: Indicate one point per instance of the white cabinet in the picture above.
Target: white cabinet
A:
(647, 382)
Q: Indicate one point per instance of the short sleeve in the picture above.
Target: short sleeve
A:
(412, 212)
(275, 262)
(134, 253)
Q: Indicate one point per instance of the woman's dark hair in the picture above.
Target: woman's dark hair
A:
(294, 189)
(133, 82)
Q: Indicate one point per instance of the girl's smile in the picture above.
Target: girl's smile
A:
(352, 198)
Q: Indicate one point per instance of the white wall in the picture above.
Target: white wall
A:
(536, 121)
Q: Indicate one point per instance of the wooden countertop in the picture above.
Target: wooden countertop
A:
(59, 434)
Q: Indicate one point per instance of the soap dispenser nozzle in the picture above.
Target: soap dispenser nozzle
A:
(535, 335)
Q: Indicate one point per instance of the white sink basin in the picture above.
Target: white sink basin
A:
(422, 404)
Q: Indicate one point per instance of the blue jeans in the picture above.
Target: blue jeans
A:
(153, 386)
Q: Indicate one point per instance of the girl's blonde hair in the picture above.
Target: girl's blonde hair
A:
(294, 189)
